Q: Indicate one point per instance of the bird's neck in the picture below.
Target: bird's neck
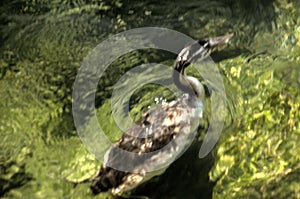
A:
(186, 83)
(195, 84)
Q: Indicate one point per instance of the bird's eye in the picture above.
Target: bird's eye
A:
(203, 42)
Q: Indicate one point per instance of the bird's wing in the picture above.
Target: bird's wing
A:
(166, 133)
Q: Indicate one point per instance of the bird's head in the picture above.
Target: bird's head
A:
(199, 50)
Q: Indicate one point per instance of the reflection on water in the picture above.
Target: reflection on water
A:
(44, 42)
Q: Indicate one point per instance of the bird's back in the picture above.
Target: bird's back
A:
(163, 134)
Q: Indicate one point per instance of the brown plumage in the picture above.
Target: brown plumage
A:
(166, 122)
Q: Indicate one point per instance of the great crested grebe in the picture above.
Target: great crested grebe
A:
(166, 123)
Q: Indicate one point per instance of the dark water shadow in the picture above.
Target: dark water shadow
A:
(231, 53)
(187, 177)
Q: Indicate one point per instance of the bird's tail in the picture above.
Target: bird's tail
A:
(106, 179)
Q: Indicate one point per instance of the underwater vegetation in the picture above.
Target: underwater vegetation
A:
(42, 46)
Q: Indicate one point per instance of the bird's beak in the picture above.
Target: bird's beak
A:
(217, 41)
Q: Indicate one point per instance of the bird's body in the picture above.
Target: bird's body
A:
(169, 129)
(164, 124)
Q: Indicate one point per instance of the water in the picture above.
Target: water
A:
(44, 42)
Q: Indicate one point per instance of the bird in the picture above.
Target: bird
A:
(170, 124)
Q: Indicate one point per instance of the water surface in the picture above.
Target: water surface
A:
(43, 44)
